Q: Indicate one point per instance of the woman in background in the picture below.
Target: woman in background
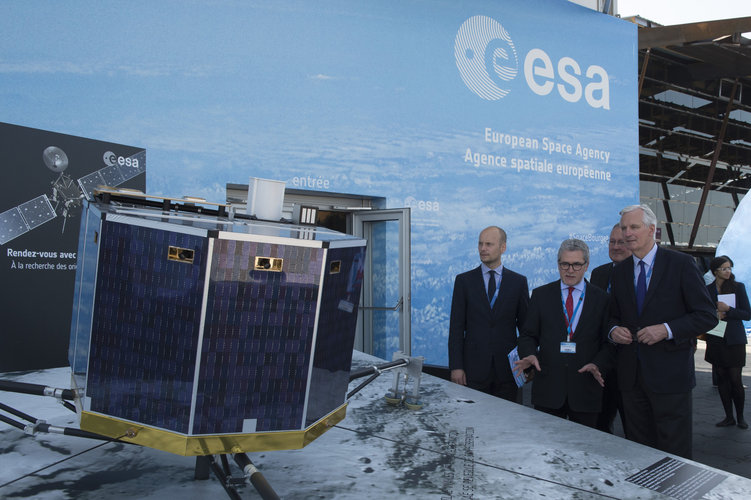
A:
(728, 354)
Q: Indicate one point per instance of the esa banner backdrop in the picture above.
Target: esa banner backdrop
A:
(46, 176)
(517, 113)
(521, 114)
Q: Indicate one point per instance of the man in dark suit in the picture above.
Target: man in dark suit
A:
(617, 251)
(611, 395)
(564, 340)
(659, 305)
(489, 303)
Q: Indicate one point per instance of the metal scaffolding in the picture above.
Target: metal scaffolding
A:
(695, 112)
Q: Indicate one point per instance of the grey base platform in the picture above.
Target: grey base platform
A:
(461, 444)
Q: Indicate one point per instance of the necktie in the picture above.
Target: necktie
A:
(570, 306)
(641, 286)
(491, 284)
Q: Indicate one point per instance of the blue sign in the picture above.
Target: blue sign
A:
(521, 114)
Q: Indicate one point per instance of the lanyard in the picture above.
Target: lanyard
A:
(569, 321)
(495, 295)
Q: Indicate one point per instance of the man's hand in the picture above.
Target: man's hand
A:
(621, 335)
(595, 371)
(524, 363)
(652, 334)
(459, 377)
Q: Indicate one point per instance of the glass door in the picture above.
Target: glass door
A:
(383, 325)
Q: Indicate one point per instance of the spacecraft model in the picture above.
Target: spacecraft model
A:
(198, 334)
(202, 332)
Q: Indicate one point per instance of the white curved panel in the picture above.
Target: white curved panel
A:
(736, 243)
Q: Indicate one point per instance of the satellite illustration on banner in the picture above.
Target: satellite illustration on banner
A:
(66, 194)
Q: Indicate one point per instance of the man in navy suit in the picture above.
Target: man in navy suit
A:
(617, 251)
(489, 304)
(611, 395)
(659, 305)
(564, 339)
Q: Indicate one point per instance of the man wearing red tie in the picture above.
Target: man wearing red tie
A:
(659, 305)
(564, 340)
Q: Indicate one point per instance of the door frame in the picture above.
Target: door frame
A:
(364, 334)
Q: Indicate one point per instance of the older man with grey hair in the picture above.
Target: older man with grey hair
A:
(564, 340)
(659, 305)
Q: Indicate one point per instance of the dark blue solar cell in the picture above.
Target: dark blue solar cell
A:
(260, 366)
(145, 326)
(253, 363)
(336, 332)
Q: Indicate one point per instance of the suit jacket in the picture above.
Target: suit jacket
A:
(735, 332)
(545, 329)
(676, 295)
(601, 276)
(480, 337)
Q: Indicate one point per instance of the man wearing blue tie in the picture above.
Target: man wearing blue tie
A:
(489, 303)
(659, 305)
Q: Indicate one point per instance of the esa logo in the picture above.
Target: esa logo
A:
(488, 63)
(111, 159)
(428, 206)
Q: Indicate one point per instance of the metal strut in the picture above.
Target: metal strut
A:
(224, 475)
(374, 371)
(37, 390)
(406, 367)
(37, 425)
(256, 478)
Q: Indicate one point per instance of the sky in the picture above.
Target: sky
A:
(686, 11)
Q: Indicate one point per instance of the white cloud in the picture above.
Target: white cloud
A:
(88, 68)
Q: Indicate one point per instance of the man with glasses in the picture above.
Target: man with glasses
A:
(617, 251)
(611, 396)
(489, 303)
(659, 305)
(564, 340)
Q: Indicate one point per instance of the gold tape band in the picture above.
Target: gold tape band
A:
(185, 445)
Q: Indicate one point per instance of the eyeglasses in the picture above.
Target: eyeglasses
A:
(725, 269)
(576, 266)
